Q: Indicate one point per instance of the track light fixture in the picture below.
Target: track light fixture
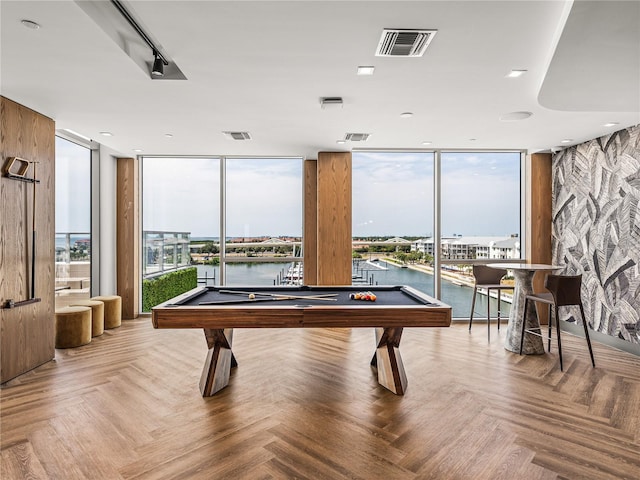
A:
(158, 59)
(158, 66)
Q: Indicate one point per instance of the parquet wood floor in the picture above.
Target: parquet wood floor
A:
(304, 404)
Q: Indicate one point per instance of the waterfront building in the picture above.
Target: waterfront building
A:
(471, 248)
(506, 249)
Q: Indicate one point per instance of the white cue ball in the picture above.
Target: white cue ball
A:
(251, 296)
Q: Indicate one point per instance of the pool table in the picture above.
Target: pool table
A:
(218, 310)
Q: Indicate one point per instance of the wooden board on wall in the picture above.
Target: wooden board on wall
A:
(128, 235)
(27, 333)
(334, 240)
(310, 238)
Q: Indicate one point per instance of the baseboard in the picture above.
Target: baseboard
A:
(609, 340)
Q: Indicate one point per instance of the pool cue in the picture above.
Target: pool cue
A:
(254, 300)
(33, 237)
(323, 296)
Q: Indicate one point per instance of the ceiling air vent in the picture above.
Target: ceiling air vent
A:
(237, 135)
(356, 137)
(330, 102)
(404, 43)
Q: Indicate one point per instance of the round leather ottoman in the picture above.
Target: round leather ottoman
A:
(97, 315)
(112, 310)
(73, 326)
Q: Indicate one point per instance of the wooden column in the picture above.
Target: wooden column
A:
(128, 236)
(334, 238)
(539, 189)
(310, 237)
(28, 335)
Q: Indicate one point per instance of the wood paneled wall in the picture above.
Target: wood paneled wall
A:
(539, 188)
(334, 242)
(310, 236)
(128, 236)
(27, 332)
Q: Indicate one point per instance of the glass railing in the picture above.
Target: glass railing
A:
(164, 251)
(72, 267)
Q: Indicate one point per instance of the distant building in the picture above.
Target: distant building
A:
(506, 249)
(471, 248)
(423, 245)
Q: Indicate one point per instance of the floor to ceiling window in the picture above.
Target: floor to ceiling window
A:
(396, 215)
(180, 216)
(73, 222)
(480, 221)
(263, 221)
(392, 212)
(237, 220)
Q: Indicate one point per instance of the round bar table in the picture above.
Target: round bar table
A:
(523, 274)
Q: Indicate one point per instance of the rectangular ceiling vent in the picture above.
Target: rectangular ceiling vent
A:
(237, 135)
(331, 102)
(356, 137)
(404, 43)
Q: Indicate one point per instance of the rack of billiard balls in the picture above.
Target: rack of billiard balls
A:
(364, 296)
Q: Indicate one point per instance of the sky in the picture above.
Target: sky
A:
(73, 187)
(392, 194)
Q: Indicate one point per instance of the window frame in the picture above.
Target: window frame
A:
(438, 261)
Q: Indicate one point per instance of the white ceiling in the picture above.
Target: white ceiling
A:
(263, 66)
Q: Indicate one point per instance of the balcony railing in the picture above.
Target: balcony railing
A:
(164, 251)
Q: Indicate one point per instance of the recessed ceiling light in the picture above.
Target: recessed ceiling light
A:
(341, 141)
(30, 24)
(366, 70)
(137, 150)
(472, 139)
(168, 135)
(566, 140)
(515, 116)
(515, 73)
(426, 143)
(106, 134)
(611, 124)
(406, 115)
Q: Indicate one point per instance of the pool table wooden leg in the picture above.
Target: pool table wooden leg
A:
(220, 360)
(387, 360)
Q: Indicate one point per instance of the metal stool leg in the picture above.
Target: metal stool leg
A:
(473, 306)
(488, 314)
(524, 316)
(549, 329)
(557, 320)
(586, 334)
(499, 307)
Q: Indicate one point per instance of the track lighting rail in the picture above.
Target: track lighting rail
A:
(123, 11)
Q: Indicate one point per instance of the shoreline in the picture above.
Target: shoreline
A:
(455, 278)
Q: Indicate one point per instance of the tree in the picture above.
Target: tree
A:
(401, 256)
(209, 247)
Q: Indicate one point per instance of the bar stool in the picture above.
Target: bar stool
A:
(563, 291)
(489, 279)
